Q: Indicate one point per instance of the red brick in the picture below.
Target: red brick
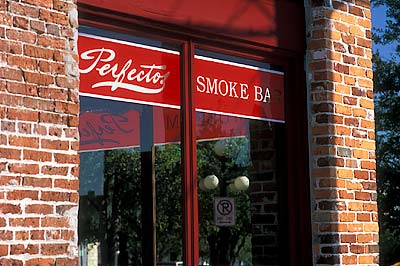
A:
(24, 222)
(3, 250)
(21, 22)
(55, 144)
(37, 26)
(58, 222)
(38, 78)
(67, 184)
(54, 170)
(21, 36)
(362, 196)
(54, 249)
(349, 259)
(54, 29)
(67, 262)
(24, 128)
(51, 42)
(68, 235)
(41, 262)
(39, 209)
(11, 73)
(53, 17)
(21, 249)
(5, 235)
(37, 182)
(25, 10)
(10, 262)
(22, 235)
(363, 217)
(41, 3)
(37, 234)
(26, 115)
(39, 156)
(38, 52)
(24, 168)
(22, 194)
(7, 153)
(57, 196)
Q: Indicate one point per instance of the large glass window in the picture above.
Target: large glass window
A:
(239, 141)
(134, 179)
(131, 171)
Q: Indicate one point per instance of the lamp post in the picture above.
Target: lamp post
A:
(222, 243)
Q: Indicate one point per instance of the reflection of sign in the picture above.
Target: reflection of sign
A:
(105, 130)
(121, 70)
(224, 211)
(102, 130)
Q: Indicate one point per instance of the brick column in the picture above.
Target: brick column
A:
(39, 136)
(342, 137)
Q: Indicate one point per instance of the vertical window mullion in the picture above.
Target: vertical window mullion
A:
(189, 159)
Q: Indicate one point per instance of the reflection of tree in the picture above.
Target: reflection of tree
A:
(122, 186)
(224, 245)
(114, 219)
(169, 202)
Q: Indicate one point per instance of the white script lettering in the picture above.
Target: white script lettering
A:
(149, 79)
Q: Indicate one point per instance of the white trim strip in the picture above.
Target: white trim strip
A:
(128, 100)
(238, 115)
(130, 43)
(237, 64)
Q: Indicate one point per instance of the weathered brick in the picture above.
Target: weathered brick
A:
(54, 249)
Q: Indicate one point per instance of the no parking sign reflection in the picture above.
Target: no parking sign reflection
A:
(224, 211)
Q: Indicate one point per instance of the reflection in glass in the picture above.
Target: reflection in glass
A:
(244, 164)
(115, 139)
(109, 219)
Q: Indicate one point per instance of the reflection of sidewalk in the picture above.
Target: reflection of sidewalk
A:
(89, 254)
(176, 263)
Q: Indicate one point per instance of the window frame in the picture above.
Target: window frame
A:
(295, 186)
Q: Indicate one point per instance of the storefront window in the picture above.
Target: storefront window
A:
(133, 190)
(131, 171)
(238, 145)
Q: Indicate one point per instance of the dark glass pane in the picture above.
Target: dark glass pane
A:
(241, 168)
(238, 146)
(130, 172)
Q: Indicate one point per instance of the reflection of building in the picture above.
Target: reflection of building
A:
(316, 185)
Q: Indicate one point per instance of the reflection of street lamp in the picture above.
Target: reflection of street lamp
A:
(211, 182)
(240, 183)
(231, 179)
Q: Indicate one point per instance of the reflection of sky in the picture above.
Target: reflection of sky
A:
(378, 22)
(91, 173)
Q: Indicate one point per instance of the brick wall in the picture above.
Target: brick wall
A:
(38, 136)
(342, 138)
(264, 194)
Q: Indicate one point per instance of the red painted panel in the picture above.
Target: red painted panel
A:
(274, 23)
(119, 70)
(239, 90)
(122, 70)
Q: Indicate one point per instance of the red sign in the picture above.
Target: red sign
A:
(240, 90)
(115, 69)
(105, 130)
(120, 70)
